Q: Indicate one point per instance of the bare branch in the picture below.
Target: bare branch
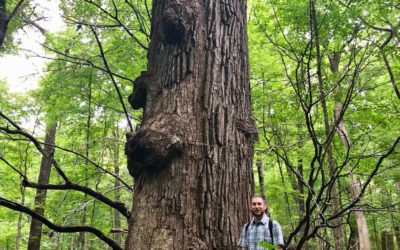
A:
(369, 179)
(391, 75)
(36, 142)
(115, 17)
(70, 186)
(63, 229)
(103, 56)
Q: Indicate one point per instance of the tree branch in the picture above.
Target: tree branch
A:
(369, 179)
(8, 131)
(62, 229)
(119, 22)
(15, 10)
(103, 56)
(71, 186)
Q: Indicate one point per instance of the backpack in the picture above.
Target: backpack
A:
(270, 227)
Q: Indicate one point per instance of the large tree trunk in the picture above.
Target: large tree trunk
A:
(192, 156)
(40, 198)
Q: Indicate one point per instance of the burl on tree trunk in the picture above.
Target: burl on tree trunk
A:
(192, 155)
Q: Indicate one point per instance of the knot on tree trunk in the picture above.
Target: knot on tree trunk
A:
(248, 126)
(138, 98)
(175, 24)
(154, 146)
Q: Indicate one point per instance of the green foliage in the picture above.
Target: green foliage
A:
(78, 94)
(289, 111)
(268, 245)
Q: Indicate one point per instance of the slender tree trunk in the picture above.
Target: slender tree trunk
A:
(81, 238)
(383, 240)
(89, 244)
(387, 240)
(19, 225)
(22, 190)
(397, 227)
(337, 231)
(287, 203)
(192, 156)
(362, 226)
(397, 235)
(353, 237)
(260, 171)
(376, 237)
(40, 198)
(117, 215)
(300, 196)
(391, 74)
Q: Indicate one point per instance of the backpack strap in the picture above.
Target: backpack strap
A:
(247, 227)
(270, 227)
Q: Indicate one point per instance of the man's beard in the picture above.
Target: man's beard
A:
(257, 215)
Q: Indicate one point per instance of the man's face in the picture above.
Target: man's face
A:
(258, 207)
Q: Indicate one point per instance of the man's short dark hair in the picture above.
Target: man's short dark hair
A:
(259, 196)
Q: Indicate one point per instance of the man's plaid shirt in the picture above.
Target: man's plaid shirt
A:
(259, 231)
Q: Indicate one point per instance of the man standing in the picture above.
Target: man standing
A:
(260, 228)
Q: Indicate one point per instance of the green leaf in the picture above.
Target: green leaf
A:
(268, 245)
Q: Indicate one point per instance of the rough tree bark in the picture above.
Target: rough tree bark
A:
(192, 156)
(35, 233)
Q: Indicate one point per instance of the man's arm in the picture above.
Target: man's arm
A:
(277, 233)
(243, 239)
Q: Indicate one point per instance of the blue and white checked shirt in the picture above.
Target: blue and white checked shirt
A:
(259, 231)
